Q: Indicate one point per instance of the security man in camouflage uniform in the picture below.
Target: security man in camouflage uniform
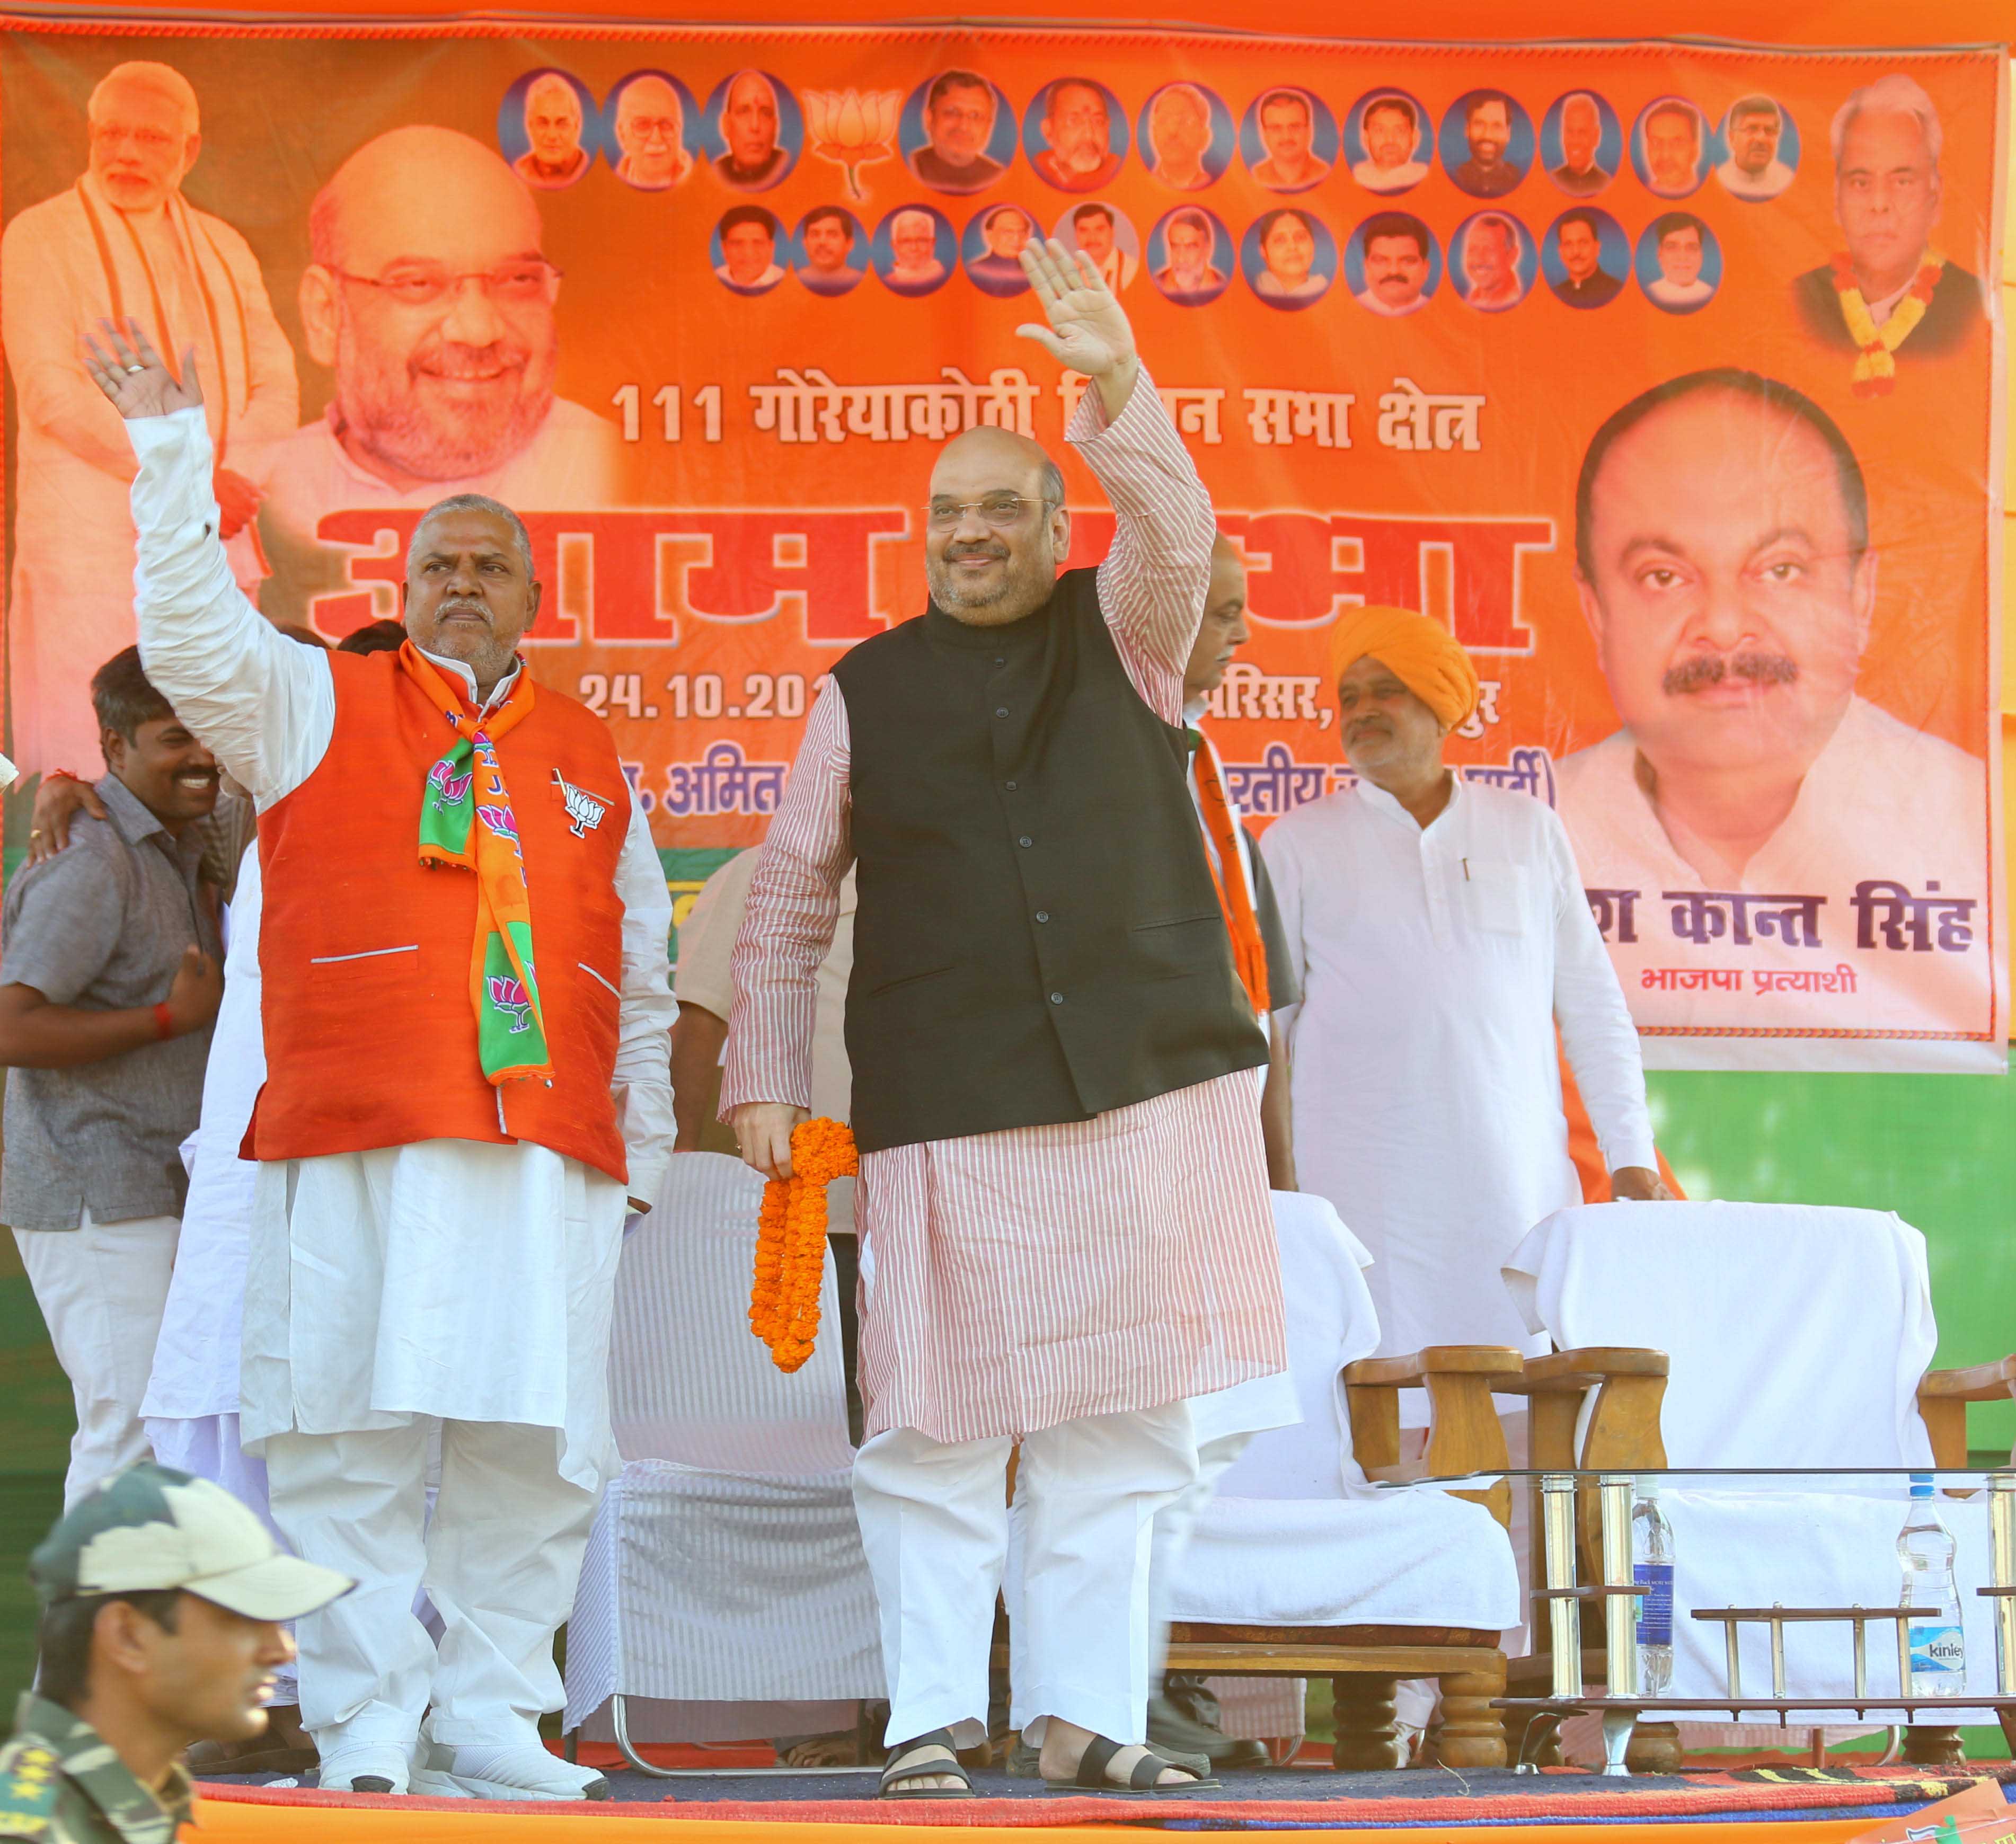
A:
(162, 1597)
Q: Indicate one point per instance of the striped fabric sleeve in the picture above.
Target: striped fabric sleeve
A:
(787, 927)
(1153, 583)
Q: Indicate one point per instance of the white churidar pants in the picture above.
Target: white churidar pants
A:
(499, 1559)
(934, 1523)
(1174, 1524)
(102, 1288)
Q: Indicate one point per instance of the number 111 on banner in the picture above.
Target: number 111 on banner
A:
(630, 400)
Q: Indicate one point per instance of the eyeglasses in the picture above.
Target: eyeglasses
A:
(421, 284)
(999, 510)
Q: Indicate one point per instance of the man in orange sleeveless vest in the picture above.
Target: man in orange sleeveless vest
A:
(465, 1013)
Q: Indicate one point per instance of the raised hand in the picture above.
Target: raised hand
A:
(1088, 328)
(136, 377)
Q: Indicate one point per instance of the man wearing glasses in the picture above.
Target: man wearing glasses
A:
(1057, 1072)
(428, 295)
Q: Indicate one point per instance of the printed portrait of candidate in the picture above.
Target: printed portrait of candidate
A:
(754, 130)
(1186, 137)
(1289, 140)
(958, 133)
(1108, 236)
(648, 117)
(542, 129)
(991, 249)
(1487, 143)
(745, 251)
(1075, 135)
(1724, 564)
(1580, 144)
(1680, 263)
(1889, 287)
(1290, 258)
(1392, 265)
(1394, 142)
(826, 252)
(1189, 256)
(1491, 261)
(121, 237)
(913, 250)
(429, 297)
(1670, 149)
(1573, 253)
(1763, 149)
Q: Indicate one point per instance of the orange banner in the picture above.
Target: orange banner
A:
(1666, 375)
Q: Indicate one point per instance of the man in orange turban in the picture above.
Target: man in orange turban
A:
(1439, 933)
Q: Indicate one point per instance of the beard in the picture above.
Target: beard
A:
(1022, 587)
(395, 409)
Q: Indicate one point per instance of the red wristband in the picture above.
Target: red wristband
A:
(164, 1022)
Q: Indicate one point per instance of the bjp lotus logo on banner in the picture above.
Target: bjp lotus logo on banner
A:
(853, 128)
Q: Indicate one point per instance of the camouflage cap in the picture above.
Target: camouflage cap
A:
(151, 1527)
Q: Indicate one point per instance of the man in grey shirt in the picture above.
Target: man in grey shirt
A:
(109, 977)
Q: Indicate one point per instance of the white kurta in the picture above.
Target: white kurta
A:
(190, 280)
(481, 1290)
(1435, 964)
(573, 462)
(195, 1362)
(1881, 800)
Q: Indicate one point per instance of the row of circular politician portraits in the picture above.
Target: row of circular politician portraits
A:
(1392, 264)
(959, 133)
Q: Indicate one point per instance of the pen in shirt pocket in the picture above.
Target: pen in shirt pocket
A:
(1466, 871)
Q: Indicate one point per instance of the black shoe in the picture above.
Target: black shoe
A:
(1170, 1727)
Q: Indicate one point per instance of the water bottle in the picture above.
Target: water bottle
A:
(1938, 1642)
(1652, 1574)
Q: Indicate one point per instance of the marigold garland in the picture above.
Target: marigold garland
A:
(1875, 373)
(790, 1241)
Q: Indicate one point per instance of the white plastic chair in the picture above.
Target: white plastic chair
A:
(724, 1565)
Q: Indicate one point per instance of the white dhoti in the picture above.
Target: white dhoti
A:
(446, 1280)
(934, 1523)
(101, 1288)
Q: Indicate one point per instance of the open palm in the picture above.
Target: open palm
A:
(1088, 328)
(135, 376)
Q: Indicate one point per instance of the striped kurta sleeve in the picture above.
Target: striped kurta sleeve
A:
(1153, 583)
(787, 926)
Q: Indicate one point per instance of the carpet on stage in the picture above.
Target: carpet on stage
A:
(1299, 1798)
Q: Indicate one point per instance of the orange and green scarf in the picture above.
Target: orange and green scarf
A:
(467, 821)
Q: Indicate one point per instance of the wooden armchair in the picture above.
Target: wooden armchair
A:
(1623, 1436)
(1364, 1663)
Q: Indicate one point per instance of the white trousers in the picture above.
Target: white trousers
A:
(935, 1524)
(499, 1559)
(1174, 1524)
(102, 1288)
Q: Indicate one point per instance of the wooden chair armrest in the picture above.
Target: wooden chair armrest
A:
(1943, 1395)
(1415, 1369)
(1977, 1383)
(1463, 1432)
(1572, 1372)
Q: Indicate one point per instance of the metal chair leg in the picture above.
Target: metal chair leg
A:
(1542, 1727)
(619, 1715)
(1617, 1726)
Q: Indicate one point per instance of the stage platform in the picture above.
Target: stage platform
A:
(1827, 1806)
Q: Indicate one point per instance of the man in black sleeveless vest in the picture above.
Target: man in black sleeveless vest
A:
(1062, 1199)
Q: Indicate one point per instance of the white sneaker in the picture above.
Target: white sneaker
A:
(517, 1770)
(383, 1769)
